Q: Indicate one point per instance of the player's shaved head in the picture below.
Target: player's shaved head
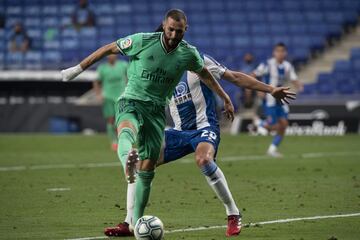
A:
(176, 14)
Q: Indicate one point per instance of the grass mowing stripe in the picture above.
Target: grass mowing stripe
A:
(286, 220)
(185, 160)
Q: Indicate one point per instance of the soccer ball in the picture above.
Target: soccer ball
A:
(149, 228)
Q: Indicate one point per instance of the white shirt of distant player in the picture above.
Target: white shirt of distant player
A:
(197, 96)
(271, 68)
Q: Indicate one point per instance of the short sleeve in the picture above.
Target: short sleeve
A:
(196, 63)
(292, 74)
(130, 45)
(261, 70)
(215, 68)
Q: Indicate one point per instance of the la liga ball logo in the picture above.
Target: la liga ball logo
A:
(126, 43)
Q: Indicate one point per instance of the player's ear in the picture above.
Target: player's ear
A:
(163, 24)
(186, 27)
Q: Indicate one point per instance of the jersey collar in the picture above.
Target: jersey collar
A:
(163, 47)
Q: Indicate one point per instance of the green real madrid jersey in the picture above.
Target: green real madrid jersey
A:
(153, 72)
(113, 79)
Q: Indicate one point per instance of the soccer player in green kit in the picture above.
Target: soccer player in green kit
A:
(157, 62)
(108, 88)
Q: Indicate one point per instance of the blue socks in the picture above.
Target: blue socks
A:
(277, 140)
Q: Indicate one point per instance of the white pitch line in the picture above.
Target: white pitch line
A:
(58, 189)
(184, 160)
(286, 220)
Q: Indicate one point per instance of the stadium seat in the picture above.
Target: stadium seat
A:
(248, 25)
(309, 89)
(343, 66)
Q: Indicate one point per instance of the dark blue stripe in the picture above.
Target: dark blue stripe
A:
(210, 105)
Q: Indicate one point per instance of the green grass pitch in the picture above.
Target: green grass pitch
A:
(318, 176)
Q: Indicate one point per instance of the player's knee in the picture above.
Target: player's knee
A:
(202, 159)
(283, 124)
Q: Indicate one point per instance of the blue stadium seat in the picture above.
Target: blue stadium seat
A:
(262, 42)
(242, 41)
(70, 43)
(355, 52)
(215, 6)
(2, 60)
(237, 19)
(259, 29)
(66, 10)
(69, 32)
(294, 16)
(346, 87)
(105, 21)
(276, 17)
(281, 38)
(356, 64)
(330, 5)
(50, 10)
(217, 17)
(51, 59)
(103, 10)
(343, 66)
(334, 17)
(220, 29)
(309, 89)
(314, 17)
(279, 28)
(310, 5)
(32, 22)
(14, 60)
(298, 28)
(14, 11)
(324, 78)
(51, 22)
(326, 89)
(33, 60)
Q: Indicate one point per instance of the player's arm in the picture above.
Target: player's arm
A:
(295, 81)
(246, 81)
(70, 73)
(209, 80)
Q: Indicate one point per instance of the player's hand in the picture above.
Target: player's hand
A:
(70, 73)
(229, 109)
(283, 94)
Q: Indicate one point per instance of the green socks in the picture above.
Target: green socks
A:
(142, 193)
(127, 139)
(111, 132)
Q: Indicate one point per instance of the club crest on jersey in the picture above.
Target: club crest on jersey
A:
(182, 93)
(126, 43)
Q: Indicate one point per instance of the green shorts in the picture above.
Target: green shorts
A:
(108, 108)
(149, 119)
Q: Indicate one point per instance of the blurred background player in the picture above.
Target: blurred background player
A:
(276, 71)
(83, 16)
(108, 88)
(19, 39)
(196, 130)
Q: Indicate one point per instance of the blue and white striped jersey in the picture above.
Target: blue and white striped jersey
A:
(275, 74)
(193, 104)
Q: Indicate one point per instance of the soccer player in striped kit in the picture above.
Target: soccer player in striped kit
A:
(276, 71)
